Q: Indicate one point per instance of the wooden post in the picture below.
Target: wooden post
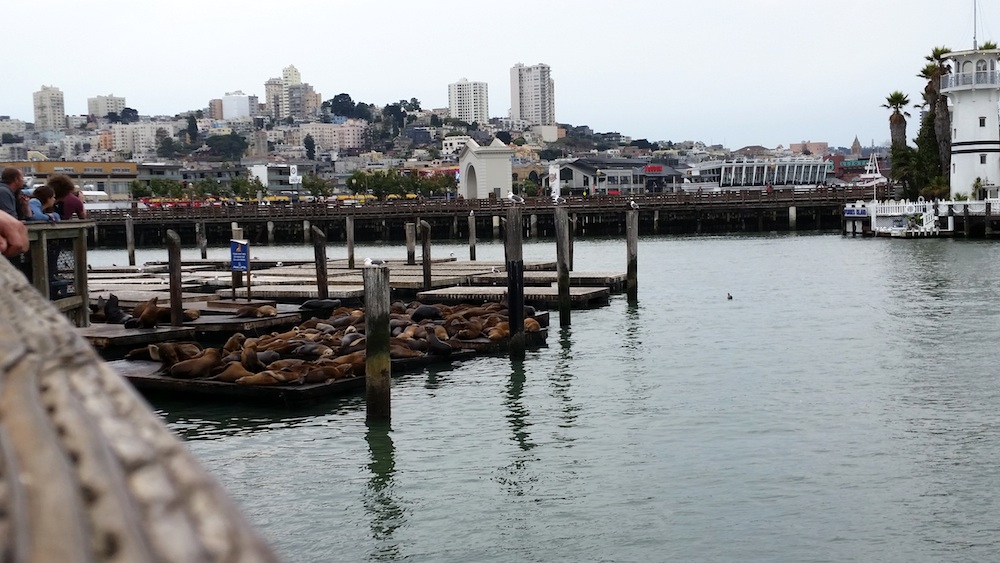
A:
(237, 275)
(270, 232)
(306, 231)
(562, 264)
(130, 239)
(472, 236)
(632, 245)
(792, 218)
(572, 238)
(202, 239)
(965, 219)
(349, 224)
(319, 249)
(989, 219)
(80, 277)
(378, 374)
(515, 282)
(533, 225)
(411, 244)
(425, 260)
(174, 266)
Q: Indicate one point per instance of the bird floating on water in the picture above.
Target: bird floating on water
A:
(729, 296)
(374, 262)
(633, 204)
(514, 198)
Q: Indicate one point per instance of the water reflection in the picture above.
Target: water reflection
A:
(563, 376)
(385, 512)
(516, 411)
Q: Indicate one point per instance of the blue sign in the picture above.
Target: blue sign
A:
(855, 212)
(240, 255)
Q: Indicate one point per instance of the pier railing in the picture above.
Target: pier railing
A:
(492, 206)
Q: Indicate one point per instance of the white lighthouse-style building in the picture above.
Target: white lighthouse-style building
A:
(974, 91)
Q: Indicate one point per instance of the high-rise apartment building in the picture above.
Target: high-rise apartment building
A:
(236, 105)
(50, 113)
(272, 97)
(469, 101)
(103, 105)
(532, 95)
(303, 101)
(278, 95)
(215, 108)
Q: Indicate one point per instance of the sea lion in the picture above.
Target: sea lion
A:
(177, 351)
(320, 304)
(349, 338)
(400, 351)
(322, 374)
(148, 317)
(425, 312)
(262, 378)
(139, 354)
(235, 343)
(97, 313)
(285, 363)
(473, 328)
(436, 347)
(268, 356)
(267, 311)
(313, 350)
(198, 367)
(246, 311)
(232, 372)
(250, 360)
(113, 312)
(531, 325)
(162, 353)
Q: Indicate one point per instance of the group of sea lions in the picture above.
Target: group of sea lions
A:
(144, 315)
(325, 350)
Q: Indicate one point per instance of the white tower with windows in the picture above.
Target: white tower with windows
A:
(974, 90)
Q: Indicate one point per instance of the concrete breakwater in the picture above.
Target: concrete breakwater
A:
(677, 213)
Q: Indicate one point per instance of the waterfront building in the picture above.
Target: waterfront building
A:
(532, 95)
(757, 173)
(50, 111)
(112, 178)
(616, 176)
(973, 89)
(469, 101)
(100, 106)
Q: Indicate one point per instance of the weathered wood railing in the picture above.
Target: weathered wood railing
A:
(87, 471)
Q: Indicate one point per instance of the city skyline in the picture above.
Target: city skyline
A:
(766, 73)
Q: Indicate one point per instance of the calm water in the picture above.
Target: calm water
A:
(843, 406)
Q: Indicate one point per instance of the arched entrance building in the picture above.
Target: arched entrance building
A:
(484, 170)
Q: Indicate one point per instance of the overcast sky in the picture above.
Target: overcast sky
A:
(735, 72)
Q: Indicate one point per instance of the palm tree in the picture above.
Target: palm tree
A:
(938, 59)
(896, 101)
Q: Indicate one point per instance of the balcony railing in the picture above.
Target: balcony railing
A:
(968, 79)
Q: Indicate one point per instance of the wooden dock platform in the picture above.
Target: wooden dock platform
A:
(107, 336)
(614, 282)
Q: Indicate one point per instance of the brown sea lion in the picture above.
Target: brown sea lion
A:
(97, 312)
(232, 372)
(436, 347)
(250, 360)
(531, 325)
(267, 311)
(163, 353)
(313, 350)
(235, 343)
(148, 317)
(285, 363)
(262, 378)
(323, 374)
(400, 351)
(473, 328)
(198, 367)
(139, 354)
(246, 311)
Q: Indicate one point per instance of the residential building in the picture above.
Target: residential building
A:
(272, 97)
(334, 136)
(215, 110)
(112, 178)
(50, 112)
(277, 93)
(303, 101)
(235, 105)
(454, 144)
(140, 138)
(532, 95)
(469, 101)
(12, 126)
(101, 106)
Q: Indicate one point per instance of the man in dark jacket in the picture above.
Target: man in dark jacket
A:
(11, 182)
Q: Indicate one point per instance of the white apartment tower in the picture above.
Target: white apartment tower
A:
(235, 105)
(973, 88)
(532, 95)
(103, 105)
(50, 113)
(469, 101)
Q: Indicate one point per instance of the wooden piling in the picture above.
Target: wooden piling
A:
(130, 238)
(989, 219)
(378, 374)
(174, 268)
(472, 236)
(632, 249)
(319, 250)
(270, 232)
(411, 244)
(202, 238)
(562, 265)
(425, 260)
(792, 218)
(965, 220)
(515, 282)
(349, 225)
(572, 239)
(306, 231)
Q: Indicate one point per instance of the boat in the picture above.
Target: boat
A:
(756, 173)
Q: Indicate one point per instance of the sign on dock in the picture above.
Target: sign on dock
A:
(240, 255)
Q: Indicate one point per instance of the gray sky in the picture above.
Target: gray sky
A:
(736, 72)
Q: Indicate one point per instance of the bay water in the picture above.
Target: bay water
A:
(843, 406)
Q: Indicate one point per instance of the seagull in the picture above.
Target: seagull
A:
(559, 200)
(514, 198)
(451, 254)
(494, 270)
(633, 204)
(374, 262)
(279, 264)
(729, 296)
(472, 213)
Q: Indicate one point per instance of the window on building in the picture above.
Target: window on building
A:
(982, 122)
(982, 159)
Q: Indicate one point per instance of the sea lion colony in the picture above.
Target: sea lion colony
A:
(325, 350)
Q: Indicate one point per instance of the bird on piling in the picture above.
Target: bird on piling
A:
(559, 200)
(374, 262)
(633, 204)
(472, 213)
(514, 198)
